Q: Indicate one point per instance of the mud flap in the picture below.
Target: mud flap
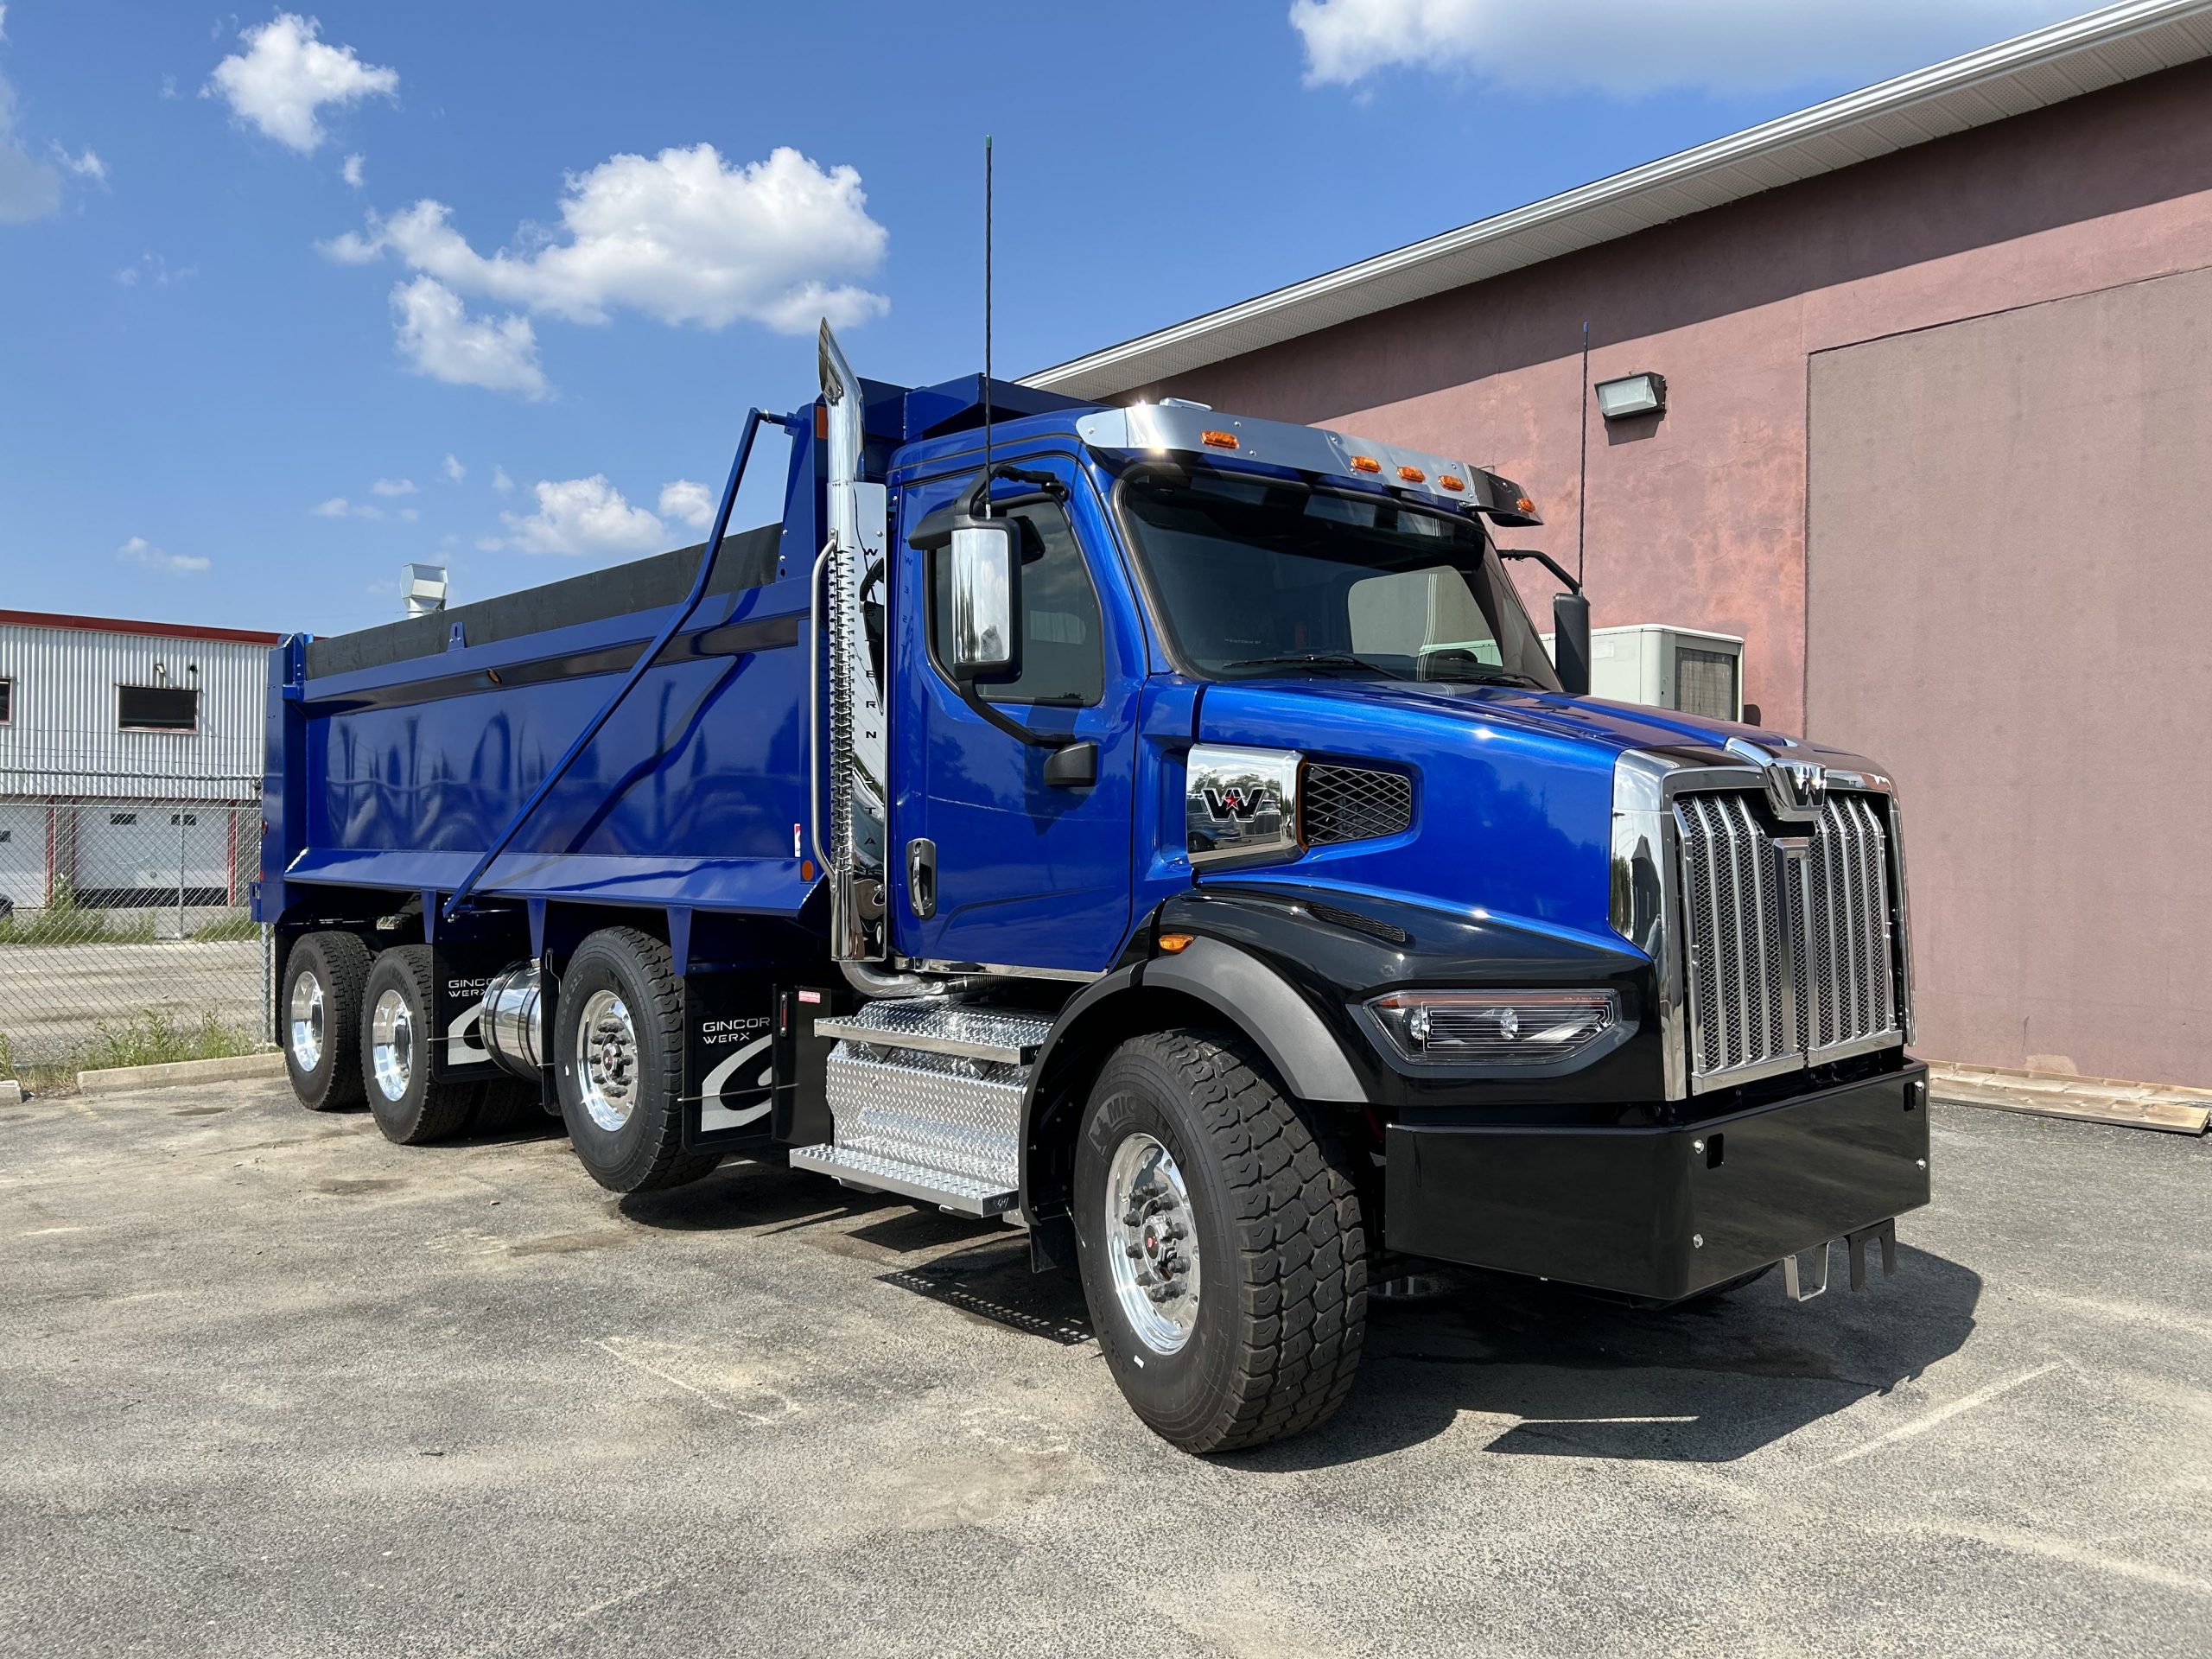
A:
(460, 972)
(729, 1061)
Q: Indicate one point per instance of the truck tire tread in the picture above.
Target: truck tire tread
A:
(1301, 1277)
(446, 1108)
(346, 964)
(666, 1163)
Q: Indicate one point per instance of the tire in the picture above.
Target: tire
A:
(1272, 1344)
(411, 1107)
(319, 1019)
(621, 1090)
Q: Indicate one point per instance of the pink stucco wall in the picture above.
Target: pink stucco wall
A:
(1697, 519)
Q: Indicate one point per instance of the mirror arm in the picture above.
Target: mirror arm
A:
(1012, 726)
(978, 497)
(1544, 559)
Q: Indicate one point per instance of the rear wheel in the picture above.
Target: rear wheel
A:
(1223, 1251)
(320, 1019)
(618, 1062)
(411, 1107)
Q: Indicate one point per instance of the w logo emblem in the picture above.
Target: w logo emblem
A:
(1240, 804)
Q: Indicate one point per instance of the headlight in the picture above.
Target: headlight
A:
(1496, 1027)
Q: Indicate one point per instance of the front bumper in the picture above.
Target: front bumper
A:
(1662, 1212)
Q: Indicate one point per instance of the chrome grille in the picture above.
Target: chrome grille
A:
(1353, 803)
(1787, 934)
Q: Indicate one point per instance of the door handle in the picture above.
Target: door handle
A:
(921, 876)
(1072, 765)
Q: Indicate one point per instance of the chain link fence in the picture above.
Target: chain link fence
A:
(125, 933)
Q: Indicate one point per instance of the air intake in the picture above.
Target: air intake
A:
(1340, 803)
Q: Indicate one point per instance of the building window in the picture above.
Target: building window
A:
(157, 708)
(7, 702)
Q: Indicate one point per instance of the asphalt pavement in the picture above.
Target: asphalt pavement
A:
(269, 1386)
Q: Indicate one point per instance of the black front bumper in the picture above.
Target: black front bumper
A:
(1662, 1212)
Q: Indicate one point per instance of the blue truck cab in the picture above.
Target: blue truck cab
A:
(1163, 829)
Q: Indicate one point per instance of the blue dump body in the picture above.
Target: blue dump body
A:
(1161, 815)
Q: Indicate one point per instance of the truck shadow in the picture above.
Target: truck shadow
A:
(1708, 1382)
(1569, 1375)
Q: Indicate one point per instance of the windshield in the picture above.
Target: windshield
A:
(1256, 578)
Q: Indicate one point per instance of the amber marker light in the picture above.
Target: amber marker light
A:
(1524, 504)
(1412, 475)
(1213, 440)
(1173, 942)
(1365, 464)
(1451, 481)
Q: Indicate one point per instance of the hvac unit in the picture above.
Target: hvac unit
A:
(1685, 669)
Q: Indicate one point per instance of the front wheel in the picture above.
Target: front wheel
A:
(1223, 1251)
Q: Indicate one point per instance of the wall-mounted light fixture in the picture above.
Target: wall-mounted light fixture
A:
(1632, 394)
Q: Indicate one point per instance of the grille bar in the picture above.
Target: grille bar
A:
(1787, 936)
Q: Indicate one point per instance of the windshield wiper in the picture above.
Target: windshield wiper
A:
(1494, 677)
(1318, 660)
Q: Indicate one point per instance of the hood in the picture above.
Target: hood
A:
(1513, 789)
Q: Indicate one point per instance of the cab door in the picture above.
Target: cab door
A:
(1009, 853)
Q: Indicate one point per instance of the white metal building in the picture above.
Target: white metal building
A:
(114, 736)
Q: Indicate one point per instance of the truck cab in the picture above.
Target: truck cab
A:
(1195, 858)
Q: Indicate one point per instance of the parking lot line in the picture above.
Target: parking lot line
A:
(1943, 1414)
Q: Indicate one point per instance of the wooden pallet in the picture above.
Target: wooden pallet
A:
(2091, 1099)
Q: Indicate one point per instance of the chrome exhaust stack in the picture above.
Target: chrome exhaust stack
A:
(859, 732)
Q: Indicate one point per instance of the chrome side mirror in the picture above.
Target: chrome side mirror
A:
(985, 599)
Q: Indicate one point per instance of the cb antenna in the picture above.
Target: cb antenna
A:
(1582, 471)
(987, 325)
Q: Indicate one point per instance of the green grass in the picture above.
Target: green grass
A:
(64, 921)
(227, 929)
(152, 1037)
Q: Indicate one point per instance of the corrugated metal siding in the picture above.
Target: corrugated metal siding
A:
(62, 738)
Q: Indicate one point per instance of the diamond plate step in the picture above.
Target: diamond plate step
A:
(933, 1025)
(879, 1173)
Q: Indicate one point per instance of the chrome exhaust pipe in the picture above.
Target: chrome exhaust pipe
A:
(513, 1020)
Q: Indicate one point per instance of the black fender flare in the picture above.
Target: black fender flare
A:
(1245, 991)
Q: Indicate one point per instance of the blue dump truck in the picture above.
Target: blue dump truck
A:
(1163, 830)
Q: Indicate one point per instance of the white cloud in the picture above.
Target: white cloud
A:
(455, 470)
(688, 504)
(581, 515)
(339, 507)
(143, 554)
(86, 166)
(409, 514)
(1632, 46)
(393, 486)
(351, 169)
(440, 339)
(287, 74)
(154, 270)
(683, 236)
(490, 543)
(29, 188)
(501, 481)
(169, 87)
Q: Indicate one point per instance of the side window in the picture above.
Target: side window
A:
(1063, 645)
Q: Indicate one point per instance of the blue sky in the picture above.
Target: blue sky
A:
(244, 376)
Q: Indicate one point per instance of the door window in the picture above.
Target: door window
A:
(1063, 652)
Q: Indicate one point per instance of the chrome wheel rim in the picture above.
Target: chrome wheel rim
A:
(391, 1046)
(1152, 1243)
(606, 1060)
(305, 1010)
